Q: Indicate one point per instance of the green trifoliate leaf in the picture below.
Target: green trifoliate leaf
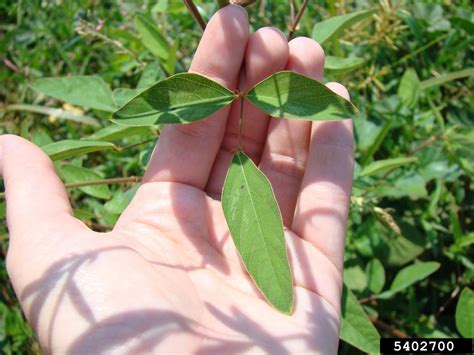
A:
(181, 98)
(83, 90)
(356, 327)
(71, 148)
(465, 313)
(255, 224)
(290, 95)
(326, 29)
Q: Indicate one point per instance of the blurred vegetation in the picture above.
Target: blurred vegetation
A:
(412, 81)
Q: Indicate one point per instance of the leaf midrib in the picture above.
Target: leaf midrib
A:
(258, 222)
(172, 108)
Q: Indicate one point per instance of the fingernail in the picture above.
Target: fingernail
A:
(240, 8)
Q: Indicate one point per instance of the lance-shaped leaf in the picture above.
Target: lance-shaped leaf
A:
(385, 165)
(152, 38)
(82, 90)
(256, 227)
(324, 30)
(181, 98)
(289, 95)
(115, 132)
(340, 65)
(410, 275)
(356, 328)
(71, 148)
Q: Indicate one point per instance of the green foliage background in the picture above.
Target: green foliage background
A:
(415, 209)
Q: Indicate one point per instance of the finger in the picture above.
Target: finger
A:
(267, 52)
(37, 202)
(322, 207)
(186, 153)
(286, 149)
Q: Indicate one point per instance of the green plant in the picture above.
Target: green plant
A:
(402, 213)
(249, 204)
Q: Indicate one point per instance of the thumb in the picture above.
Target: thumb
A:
(37, 204)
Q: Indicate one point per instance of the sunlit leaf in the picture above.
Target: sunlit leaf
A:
(55, 112)
(375, 275)
(409, 276)
(324, 30)
(355, 278)
(255, 224)
(410, 185)
(340, 65)
(152, 38)
(71, 148)
(181, 98)
(115, 132)
(356, 328)
(385, 165)
(160, 6)
(83, 215)
(465, 313)
(290, 95)
(409, 88)
(88, 91)
(77, 174)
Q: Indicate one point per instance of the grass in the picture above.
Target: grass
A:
(414, 90)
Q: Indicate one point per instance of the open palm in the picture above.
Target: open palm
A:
(168, 278)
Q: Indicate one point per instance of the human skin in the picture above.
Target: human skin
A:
(168, 278)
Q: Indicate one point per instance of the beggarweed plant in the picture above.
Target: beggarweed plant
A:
(407, 270)
(248, 201)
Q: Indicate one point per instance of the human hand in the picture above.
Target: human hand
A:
(168, 279)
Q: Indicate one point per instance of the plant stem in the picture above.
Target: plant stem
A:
(423, 145)
(137, 144)
(292, 10)
(387, 327)
(297, 19)
(99, 227)
(195, 13)
(241, 121)
(418, 50)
